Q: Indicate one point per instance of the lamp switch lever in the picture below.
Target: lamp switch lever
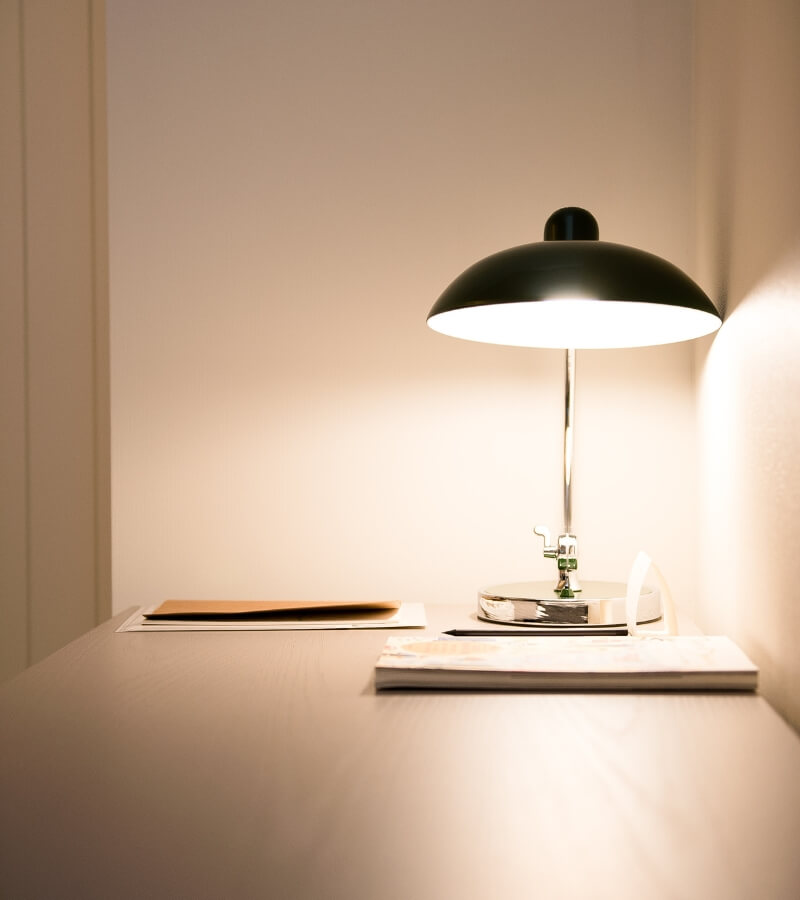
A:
(550, 550)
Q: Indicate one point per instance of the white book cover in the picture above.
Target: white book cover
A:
(663, 662)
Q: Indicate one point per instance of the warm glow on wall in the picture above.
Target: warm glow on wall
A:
(748, 428)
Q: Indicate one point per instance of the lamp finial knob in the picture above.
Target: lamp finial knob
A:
(571, 224)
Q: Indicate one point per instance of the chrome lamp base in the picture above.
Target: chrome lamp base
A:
(536, 603)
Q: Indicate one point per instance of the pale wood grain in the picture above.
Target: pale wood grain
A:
(264, 764)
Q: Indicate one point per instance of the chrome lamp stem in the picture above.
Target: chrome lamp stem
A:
(565, 550)
(569, 416)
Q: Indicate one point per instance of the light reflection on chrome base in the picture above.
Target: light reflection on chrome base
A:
(536, 603)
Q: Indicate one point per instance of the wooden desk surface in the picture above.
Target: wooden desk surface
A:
(261, 765)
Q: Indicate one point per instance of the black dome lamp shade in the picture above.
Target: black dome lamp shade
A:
(571, 291)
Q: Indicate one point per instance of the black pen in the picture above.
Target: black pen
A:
(538, 632)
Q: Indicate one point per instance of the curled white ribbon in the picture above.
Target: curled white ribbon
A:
(641, 565)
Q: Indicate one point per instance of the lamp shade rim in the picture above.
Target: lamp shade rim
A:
(587, 270)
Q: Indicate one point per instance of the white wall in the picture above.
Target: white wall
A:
(292, 185)
(748, 130)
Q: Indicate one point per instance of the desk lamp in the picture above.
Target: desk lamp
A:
(571, 291)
